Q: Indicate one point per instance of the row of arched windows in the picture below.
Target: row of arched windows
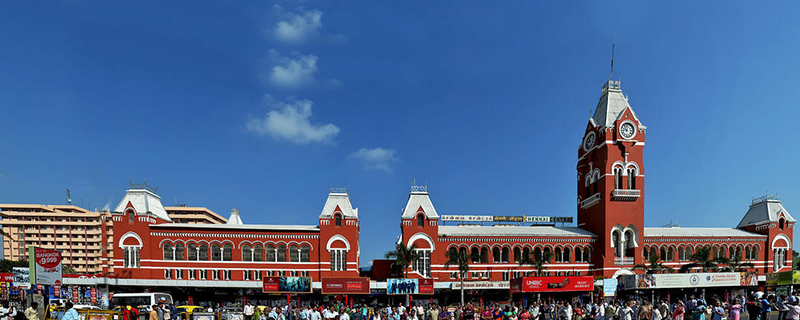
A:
(684, 252)
(268, 253)
(506, 254)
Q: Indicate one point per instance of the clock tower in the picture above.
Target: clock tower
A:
(611, 182)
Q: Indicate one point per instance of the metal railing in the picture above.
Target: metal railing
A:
(626, 194)
(590, 201)
(623, 261)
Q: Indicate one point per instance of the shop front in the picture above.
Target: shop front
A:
(671, 286)
(572, 288)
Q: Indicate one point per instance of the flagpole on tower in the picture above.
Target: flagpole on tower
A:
(612, 62)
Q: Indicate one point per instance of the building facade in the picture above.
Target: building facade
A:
(152, 249)
(612, 238)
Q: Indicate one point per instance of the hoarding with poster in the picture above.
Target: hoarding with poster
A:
(552, 284)
(409, 286)
(22, 277)
(287, 284)
(6, 277)
(689, 280)
(345, 286)
(45, 265)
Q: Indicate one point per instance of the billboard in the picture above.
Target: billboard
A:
(552, 284)
(610, 287)
(22, 277)
(688, 280)
(287, 284)
(409, 286)
(345, 286)
(45, 265)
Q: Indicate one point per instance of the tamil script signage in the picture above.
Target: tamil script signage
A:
(474, 285)
(552, 284)
(534, 219)
(345, 285)
(45, 265)
(287, 285)
(688, 280)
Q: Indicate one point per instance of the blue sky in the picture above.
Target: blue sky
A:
(263, 106)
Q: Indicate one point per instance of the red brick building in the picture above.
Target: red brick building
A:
(612, 238)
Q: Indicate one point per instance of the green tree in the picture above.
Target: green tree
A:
(65, 269)
(461, 261)
(9, 265)
(654, 266)
(734, 264)
(795, 259)
(537, 260)
(701, 258)
(403, 256)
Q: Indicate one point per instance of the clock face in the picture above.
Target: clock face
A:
(588, 143)
(627, 130)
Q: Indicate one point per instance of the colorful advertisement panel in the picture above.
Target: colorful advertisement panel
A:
(22, 277)
(345, 286)
(6, 277)
(552, 284)
(409, 286)
(610, 287)
(749, 279)
(287, 285)
(45, 265)
(688, 280)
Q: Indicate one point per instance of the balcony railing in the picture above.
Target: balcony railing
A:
(623, 261)
(590, 201)
(626, 194)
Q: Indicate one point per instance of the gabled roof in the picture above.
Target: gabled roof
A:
(513, 231)
(698, 232)
(419, 200)
(144, 201)
(340, 200)
(765, 210)
(611, 106)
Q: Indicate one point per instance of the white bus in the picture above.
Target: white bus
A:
(141, 301)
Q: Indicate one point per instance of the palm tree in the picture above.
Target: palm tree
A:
(735, 264)
(655, 266)
(460, 260)
(537, 260)
(701, 258)
(403, 256)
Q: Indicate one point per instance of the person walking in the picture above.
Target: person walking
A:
(766, 308)
(249, 311)
(70, 314)
(734, 310)
(154, 313)
(680, 311)
(645, 311)
(32, 313)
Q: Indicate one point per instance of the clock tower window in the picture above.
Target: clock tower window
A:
(631, 178)
(618, 178)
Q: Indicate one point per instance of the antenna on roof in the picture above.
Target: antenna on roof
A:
(69, 198)
(611, 77)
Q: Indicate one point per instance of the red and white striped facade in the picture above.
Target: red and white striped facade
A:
(610, 204)
(150, 250)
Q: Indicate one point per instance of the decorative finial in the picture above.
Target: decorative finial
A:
(611, 77)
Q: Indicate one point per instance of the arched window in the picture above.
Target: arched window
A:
(496, 255)
(475, 255)
(559, 256)
(578, 255)
(780, 223)
(484, 255)
(723, 252)
(504, 255)
(281, 253)
(305, 253)
(517, 254)
(754, 253)
(180, 251)
(338, 218)
(258, 253)
(537, 252)
(631, 178)
(247, 253)
(566, 255)
(645, 251)
(192, 252)
(462, 251)
(671, 254)
(294, 253)
(663, 252)
(270, 253)
(615, 239)
(203, 252)
(748, 253)
(595, 182)
(526, 252)
(168, 253)
(587, 184)
(653, 253)
(131, 216)
(216, 254)
(587, 254)
(420, 220)
(227, 252)
(618, 178)
(452, 251)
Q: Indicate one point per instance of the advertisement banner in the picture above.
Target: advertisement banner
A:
(287, 285)
(75, 294)
(552, 284)
(749, 279)
(7, 277)
(610, 287)
(45, 265)
(94, 295)
(482, 285)
(22, 277)
(409, 286)
(688, 280)
(345, 286)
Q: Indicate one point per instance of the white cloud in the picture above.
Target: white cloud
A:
(375, 158)
(302, 26)
(292, 121)
(293, 73)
